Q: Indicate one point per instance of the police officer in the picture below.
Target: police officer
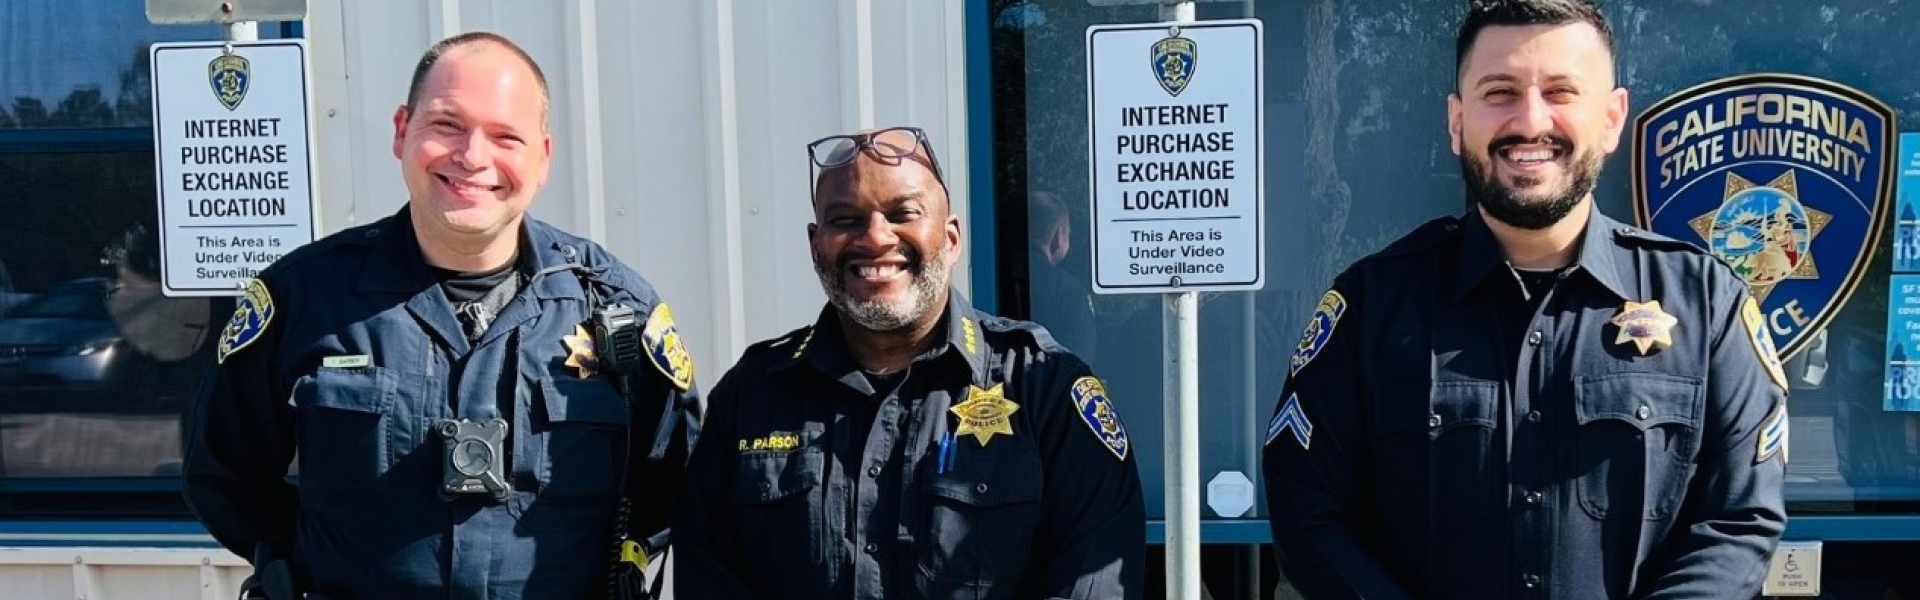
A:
(1532, 400)
(436, 374)
(906, 445)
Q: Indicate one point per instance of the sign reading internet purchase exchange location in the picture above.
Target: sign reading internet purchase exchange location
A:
(231, 141)
(1176, 140)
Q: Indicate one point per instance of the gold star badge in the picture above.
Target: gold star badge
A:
(986, 412)
(580, 351)
(1645, 325)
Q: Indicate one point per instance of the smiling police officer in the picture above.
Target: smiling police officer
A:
(461, 384)
(1533, 400)
(906, 445)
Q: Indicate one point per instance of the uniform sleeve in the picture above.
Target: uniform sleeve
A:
(1734, 512)
(705, 559)
(1312, 457)
(1092, 539)
(239, 440)
(657, 482)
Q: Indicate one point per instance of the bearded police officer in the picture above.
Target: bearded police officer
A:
(463, 385)
(1532, 400)
(906, 445)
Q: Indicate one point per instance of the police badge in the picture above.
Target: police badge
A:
(1785, 178)
(230, 75)
(1174, 59)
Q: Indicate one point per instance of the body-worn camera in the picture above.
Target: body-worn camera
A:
(475, 461)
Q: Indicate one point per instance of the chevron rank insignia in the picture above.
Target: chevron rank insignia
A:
(1773, 437)
(1290, 418)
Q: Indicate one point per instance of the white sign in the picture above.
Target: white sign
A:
(1176, 140)
(1794, 570)
(1230, 494)
(232, 141)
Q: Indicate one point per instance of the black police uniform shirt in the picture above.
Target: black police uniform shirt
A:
(810, 483)
(346, 352)
(1445, 434)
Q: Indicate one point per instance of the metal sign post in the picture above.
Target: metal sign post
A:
(1176, 137)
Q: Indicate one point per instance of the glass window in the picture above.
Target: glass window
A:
(96, 367)
(1358, 155)
(80, 64)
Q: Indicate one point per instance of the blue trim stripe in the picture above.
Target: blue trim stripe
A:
(1838, 529)
(980, 205)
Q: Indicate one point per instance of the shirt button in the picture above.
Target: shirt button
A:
(873, 471)
(1531, 581)
(1643, 412)
(1533, 339)
(1533, 416)
(871, 548)
(1433, 420)
(980, 488)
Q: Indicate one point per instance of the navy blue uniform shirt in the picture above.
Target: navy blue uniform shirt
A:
(995, 468)
(1444, 433)
(348, 351)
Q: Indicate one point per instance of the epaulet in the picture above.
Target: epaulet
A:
(1628, 235)
(789, 345)
(362, 235)
(1422, 238)
(1015, 332)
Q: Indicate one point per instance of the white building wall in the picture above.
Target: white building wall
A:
(679, 134)
(679, 128)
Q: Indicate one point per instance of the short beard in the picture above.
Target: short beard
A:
(930, 277)
(1504, 203)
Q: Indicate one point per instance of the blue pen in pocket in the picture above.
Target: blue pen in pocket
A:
(945, 462)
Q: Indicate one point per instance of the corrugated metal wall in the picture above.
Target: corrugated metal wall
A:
(679, 128)
(679, 131)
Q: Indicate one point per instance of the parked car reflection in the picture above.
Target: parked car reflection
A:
(61, 346)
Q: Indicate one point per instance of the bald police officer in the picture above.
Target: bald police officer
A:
(459, 434)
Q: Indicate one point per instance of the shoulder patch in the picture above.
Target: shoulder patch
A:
(1773, 436)
(1319, 329)
(1096, 410)
(1762, 341)
(250, 319)
(669, 355)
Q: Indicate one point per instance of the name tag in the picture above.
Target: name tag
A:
(346, 362)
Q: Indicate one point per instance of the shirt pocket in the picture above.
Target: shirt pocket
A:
(981, 515)
(1637, 440)
(584, 445)
(775, 497)
(341, 417)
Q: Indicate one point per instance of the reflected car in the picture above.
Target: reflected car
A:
(61, 344)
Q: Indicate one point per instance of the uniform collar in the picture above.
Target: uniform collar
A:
(1598, 256)
(824, 347)
(398, 265)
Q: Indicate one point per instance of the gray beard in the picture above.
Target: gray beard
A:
(930, 277)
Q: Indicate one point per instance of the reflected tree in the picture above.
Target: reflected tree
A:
(84, 107)
(30, 112)
(134, 104)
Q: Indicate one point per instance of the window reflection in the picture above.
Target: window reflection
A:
(96, 366)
